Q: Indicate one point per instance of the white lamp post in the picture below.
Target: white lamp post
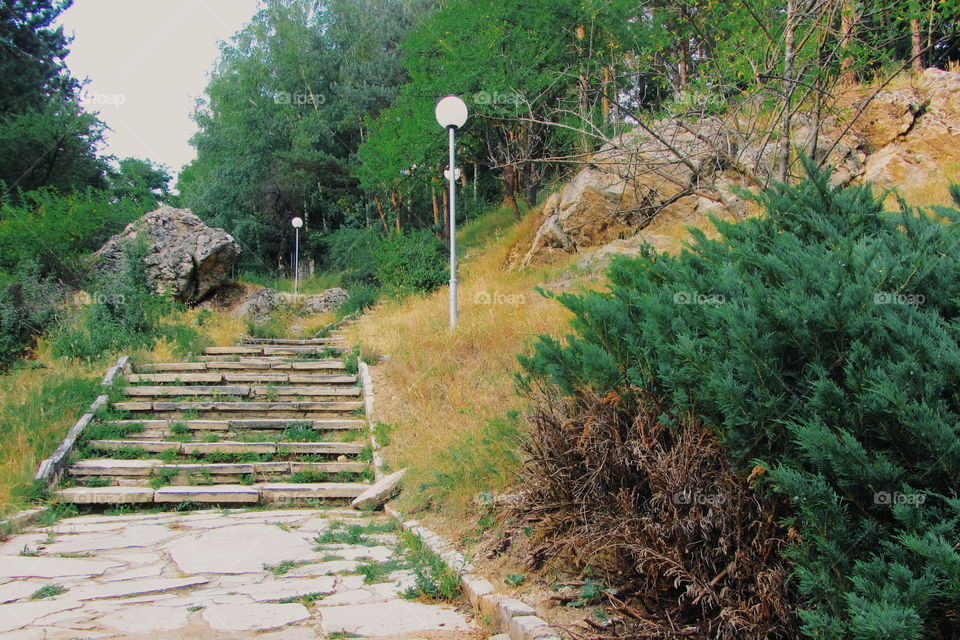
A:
(452, 114)
(297, 223)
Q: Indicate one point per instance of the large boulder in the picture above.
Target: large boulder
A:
(185, 257)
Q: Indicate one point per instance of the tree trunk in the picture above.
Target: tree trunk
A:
(446, 214)
(847, 18)
(788, 43)
(383, 217)
(916, 49)
(510, 189)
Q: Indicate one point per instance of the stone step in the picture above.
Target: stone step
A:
(245, 364)
(218, 494)
(106, 495)
(228, 472)
(215, 377)
(177, 391)
(292, 342)
(111, 467)
(204, 448)
(213, 494)
(294, 492)
(292, 409)
(267, 350)
(241, 424)
(239, 391)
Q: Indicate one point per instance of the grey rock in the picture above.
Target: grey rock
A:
(259, 305)
(184, 257)
(325, 302)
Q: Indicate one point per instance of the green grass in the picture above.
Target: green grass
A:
(355, 534)
(485, 228)
(285, 566)
(374, 572)
(435, 581)
(48, 591)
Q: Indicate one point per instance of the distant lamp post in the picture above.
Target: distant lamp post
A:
(297, 223)
(452, 114)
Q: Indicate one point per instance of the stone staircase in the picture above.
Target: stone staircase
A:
(265, 422)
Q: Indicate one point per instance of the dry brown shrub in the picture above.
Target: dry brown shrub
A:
(657, 512)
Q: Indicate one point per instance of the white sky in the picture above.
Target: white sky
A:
(147, 62)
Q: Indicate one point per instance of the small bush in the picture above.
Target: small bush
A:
(361, 297)
(411, 262)
(124, 315)
(28, 306)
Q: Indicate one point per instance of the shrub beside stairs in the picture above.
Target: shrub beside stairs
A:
(269, 421)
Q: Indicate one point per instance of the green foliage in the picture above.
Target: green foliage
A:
(125, 314)
(361, 297)
(410, 262)
(820, 342)
(284, 115)
(58, 231)
(28, 304)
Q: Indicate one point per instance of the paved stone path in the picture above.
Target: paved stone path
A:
(215, 574)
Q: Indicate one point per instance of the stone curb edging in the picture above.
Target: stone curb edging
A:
(49, 470)
(516, 619)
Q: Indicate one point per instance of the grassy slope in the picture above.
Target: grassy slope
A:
(446, 394)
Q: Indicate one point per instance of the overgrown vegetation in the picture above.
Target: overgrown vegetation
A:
(818, 343)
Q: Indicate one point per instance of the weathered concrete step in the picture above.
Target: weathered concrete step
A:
(290, 491)
(176, 391)
(292, 342)
(213, 494)
(150, 446)
(111, 467)
(229, 407)
(248, 364)
(202, 448)
(217, 493)
(266, 350)
(241, 424)
(227, 472)
(105, 495)
(251, 378)
(240, 391)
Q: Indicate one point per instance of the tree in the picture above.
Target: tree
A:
(283, 119)
(141, 181)
(32, 52)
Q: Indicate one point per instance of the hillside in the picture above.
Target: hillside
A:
(703, 378)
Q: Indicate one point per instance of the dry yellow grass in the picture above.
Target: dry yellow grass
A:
(439, 388)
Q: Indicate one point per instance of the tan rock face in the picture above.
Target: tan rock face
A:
(647, 186)
(927, 149)
(185, 257)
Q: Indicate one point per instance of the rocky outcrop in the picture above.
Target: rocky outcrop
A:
(647, 185)
(916, 132)
(185, 257)
(324, 302)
